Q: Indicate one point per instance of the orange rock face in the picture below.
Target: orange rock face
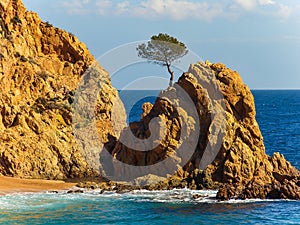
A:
(40, 68)
(239, 166)
(245, 166)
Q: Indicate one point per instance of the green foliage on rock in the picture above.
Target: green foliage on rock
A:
(163, 49)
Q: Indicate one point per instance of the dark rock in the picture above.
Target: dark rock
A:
(75, 191)
(196, 196)
(274, 194)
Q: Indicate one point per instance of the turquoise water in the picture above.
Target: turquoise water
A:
(279, 119)
(175, 207)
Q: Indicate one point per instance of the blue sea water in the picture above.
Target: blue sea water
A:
(278, 114)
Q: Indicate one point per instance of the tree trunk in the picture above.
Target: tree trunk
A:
(171, 74)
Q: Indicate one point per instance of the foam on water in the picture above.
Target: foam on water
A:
(175, 206)
(36, 200)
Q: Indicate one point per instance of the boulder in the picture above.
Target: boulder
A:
(41, 67)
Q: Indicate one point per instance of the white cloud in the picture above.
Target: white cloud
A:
(76, 6)
(122, 7)
(246, 4)
(177, 9)
(266, 2)
(252, 4)
(183, 9)
(284, 11)
(150, 9)
(103, 6)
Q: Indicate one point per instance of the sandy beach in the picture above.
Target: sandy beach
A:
(10, 185)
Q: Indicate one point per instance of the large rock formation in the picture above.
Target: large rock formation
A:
(242, 164)
(200, 133)
(229, 141)
(40, 68)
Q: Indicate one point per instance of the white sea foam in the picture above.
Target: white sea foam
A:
(172, 196)
(19, 201)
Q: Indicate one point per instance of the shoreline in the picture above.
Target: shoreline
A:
(11, 185)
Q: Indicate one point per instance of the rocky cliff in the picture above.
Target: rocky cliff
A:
(40, 68)
(200, 133)
(229, 154)
(242, 164)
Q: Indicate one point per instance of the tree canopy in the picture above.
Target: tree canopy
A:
(163, 49)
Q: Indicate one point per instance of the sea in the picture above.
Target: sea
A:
(278, 115)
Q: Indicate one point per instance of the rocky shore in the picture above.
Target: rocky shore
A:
(40, 69)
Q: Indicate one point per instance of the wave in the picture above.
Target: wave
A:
(181, 196)
(175, 196)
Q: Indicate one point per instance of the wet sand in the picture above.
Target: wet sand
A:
(9, 185)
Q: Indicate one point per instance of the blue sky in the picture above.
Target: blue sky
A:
(258, 38)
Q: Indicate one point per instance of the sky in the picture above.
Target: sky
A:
(258, 38)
